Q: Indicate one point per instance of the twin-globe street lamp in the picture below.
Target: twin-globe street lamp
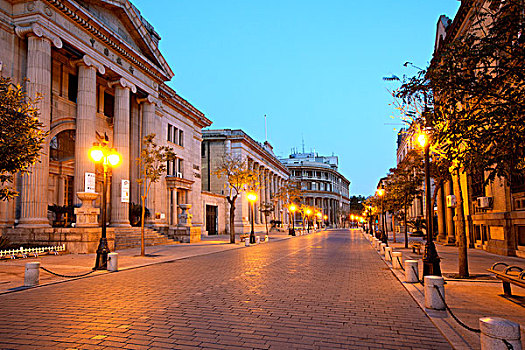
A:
(308, 213)
(252, 197)
(109, 158)
(384, 238)
(431, 260)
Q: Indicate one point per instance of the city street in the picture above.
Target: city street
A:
(327, 290)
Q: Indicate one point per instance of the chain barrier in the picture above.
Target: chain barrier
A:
(475, 330)
(71, 276)
(416, 273)
(402, 268)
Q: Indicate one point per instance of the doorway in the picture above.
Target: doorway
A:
(211, 219)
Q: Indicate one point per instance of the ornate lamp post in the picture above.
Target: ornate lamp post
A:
(384, 238)
(431, 260)
(308, 213)
(109, 158)
(292, 209)
(319, 217)
(252, 197)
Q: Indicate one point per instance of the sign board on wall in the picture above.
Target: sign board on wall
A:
(124, 195)
(89, 182)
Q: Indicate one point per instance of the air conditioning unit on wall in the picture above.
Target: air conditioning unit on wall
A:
(179, 174)
(484, 202)
(451, 201)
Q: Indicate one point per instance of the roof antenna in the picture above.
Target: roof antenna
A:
(265, 128)
(303, 142)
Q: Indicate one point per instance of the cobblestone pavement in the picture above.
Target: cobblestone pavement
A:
(328, 290)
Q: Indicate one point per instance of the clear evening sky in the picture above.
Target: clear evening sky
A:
(314, 68)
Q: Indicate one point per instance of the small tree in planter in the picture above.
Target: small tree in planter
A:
(153, 164)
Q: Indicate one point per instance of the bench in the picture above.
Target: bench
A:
(244, 236)
(510, 274)
(416, 246)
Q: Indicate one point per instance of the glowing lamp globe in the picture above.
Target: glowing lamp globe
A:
(252, 197)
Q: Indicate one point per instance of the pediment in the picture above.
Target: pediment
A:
(125, 22)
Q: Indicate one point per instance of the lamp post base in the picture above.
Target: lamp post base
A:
(101, 262)
(252, 238)
(431, 261)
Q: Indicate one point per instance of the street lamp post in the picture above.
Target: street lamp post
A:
(384, 237)
(308, 212)
(431, 260)
(292, 208)
(252, 197)
(109, 157)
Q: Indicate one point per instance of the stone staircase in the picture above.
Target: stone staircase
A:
(129, 237)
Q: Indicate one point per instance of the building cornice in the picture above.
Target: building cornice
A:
(175, 101)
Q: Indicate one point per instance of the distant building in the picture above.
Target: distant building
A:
(324, 186)
(260, 157)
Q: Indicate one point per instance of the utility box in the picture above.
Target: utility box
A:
(451, 201)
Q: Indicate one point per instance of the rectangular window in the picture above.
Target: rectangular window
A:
(180, 167)
(168, 168)
(169, 131)
(181, 138)
(109, 105)
(72, 88)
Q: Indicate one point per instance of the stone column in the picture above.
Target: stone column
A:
(441, 216)
(451, 236)
(86, 120)
(148, 127)
(120, 210)
(34, 189)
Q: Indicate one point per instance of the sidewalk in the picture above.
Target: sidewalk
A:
(469, 299)
(12, 271)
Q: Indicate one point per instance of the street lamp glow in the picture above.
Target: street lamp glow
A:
(308, 212)
(292, 208)
(422, 139)
(114, 158)
(325, 217)
(319, 215)
(96, 154)
(380, 192)
(252, 197)
(352, 217)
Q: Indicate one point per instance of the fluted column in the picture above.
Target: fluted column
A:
(148, 127)
(86, 120)
(34, 186)
(441, 229)
(451, 235)
(120, 210)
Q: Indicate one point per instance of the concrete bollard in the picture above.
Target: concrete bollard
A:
(411, 271)
(382, 247)
(257, 239)
(113, 262)
(397, 259)
(494, 330)
(388, 253)
(378, 245)
(32, 274)
(432, 298)
(266, 238)
(247, 242)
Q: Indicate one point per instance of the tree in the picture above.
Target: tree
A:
(153, 162)
(238, 178)
(266, 208)
(356, 204)
(21, 135)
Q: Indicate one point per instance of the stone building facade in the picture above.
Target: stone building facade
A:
(98, 68)
(324, 187)
(260, 157)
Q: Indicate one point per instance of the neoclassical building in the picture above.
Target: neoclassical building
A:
(98, 68)
(324, 187)
(260, 157)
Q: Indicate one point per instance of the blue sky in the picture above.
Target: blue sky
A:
(314, 68)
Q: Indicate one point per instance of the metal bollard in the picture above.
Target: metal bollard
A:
(257, 239)
(388, 253)
(411, 271)
(432, 298)
(113, 262)
(246, 242)
(397, 259)
(496, 332)
(32, 274)
(382, 247)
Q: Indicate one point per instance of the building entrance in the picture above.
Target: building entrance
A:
(211, 219)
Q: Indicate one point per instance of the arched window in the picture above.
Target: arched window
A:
(62, 146)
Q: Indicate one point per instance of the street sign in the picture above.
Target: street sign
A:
(89, 182)
(124, 195)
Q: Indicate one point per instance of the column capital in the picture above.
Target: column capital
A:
(150, 99)
(124, 83)
(35, 29)
(90, 62)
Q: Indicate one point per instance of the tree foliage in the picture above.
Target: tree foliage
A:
(238, 178)
(21, 135)
(153, 162)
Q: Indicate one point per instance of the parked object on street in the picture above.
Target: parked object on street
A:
(499, 333)
(32, 274)
(411, 271)
(397, 260)
(511, 274)
(435, 292)
(113, 262)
